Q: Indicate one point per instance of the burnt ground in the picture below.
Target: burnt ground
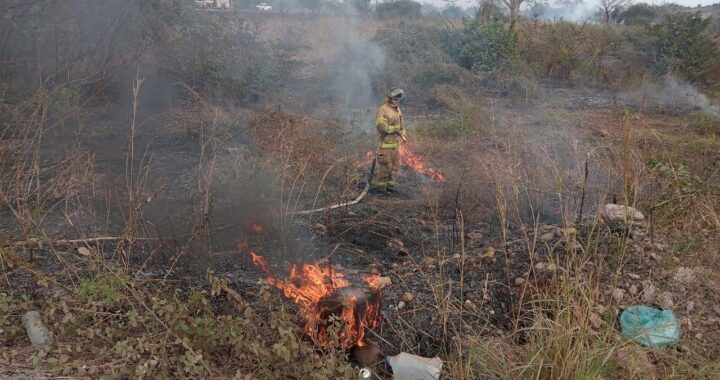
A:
(417, 241)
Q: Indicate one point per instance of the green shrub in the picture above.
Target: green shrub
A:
(105, 290)
(570, 51)
(680, 45)
(488, 47)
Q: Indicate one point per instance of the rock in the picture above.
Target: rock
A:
(428, 260)
(684, 275)
(469, 304)
(665, 299)
(490, 252)
(401, 305)
(84, 251)
(39, 335)
(407, 297)
(395, 243)
(570, 231)
(369, 354)
(654, 256)
(541, 265)
(618, 294)
(456, 256)
(321, 227)
(474, 235)
(600, 309)
(402, 251)
(394, 265)
(519, 281)
(622, 213)
(431, 267)
(546, 237)
(716, 309)
(633, 276)
(383, 282)
(690, 306)
(648, 291)
(595, 321)
(637, 234)
(633, 290)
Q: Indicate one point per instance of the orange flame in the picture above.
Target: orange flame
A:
(313, 289)
(408, 158)
(257, 227)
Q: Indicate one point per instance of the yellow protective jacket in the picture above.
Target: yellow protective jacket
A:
(390, 126)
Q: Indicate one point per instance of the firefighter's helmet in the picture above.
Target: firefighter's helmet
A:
(396, 93)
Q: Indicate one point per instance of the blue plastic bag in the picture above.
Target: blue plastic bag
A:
(649, 326)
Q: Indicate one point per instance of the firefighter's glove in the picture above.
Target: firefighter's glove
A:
(403, 134)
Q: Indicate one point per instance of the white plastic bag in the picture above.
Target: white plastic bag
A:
(412, 367)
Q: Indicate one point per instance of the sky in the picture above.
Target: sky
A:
(470, 3)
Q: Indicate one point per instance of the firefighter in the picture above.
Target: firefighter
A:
(390, 134)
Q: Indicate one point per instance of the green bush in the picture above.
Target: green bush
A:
(680, 45)
(489, 47)
(572, 52)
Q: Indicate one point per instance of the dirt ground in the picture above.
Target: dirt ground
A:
(452, 274)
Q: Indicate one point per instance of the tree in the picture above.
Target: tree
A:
(514, 6)
(607, 7)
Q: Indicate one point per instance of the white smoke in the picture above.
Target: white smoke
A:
(568, 10)
(672, 93)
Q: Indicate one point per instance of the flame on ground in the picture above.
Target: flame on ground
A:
(322, 293)
(257, 227)
(409, 159)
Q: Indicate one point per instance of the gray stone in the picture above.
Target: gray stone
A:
(595, 320)
(633, 290)
(648, 292)
(622, 213)
(684, 275)
(546, 237)
(666, 301)
(618, 294)
(716, 309)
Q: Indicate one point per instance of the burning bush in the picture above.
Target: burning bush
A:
(325, 296)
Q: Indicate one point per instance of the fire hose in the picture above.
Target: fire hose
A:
(359, 197)
(345, 204)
